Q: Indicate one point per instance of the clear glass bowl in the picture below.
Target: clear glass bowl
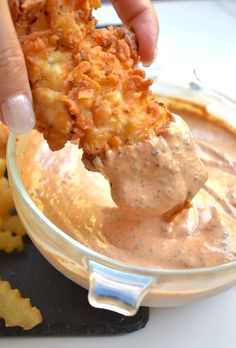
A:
(116, 285)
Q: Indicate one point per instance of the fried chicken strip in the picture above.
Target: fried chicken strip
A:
(86, 89)
(84, 83)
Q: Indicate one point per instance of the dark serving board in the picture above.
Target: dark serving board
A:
(63, 304)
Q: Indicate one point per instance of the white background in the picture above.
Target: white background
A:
(200, 34)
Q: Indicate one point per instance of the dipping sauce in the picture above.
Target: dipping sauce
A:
(158, 175)
(79, 202)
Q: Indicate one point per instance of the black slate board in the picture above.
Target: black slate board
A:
(63, 304)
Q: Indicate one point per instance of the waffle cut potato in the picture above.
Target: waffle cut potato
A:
(85, 84)
(11, 229)
(4, 132)
(14, 309)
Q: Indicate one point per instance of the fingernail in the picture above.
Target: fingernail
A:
(18, 113)
(154, 57)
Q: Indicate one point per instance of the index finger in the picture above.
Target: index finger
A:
(141, 16)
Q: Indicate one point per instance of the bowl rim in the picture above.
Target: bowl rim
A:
(123, 266)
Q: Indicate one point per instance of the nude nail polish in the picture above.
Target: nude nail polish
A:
(18, 113)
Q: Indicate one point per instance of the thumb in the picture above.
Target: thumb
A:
(16, 109)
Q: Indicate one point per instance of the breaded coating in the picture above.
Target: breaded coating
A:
(85, 84)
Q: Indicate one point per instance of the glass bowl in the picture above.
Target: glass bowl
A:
(115, 285)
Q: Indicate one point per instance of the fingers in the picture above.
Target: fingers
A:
(15, 96)
(141, 16)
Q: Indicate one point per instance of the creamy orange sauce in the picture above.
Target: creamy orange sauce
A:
(158, 175)
(80, 203)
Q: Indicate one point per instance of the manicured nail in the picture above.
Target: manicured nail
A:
(18, 113)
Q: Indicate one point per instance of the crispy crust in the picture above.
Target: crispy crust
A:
(85, 86)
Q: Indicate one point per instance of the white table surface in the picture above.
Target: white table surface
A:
(200, 34)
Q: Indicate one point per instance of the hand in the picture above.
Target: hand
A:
(141, 16)
(16, 109)
(15, 96)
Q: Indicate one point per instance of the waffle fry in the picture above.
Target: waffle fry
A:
(13, 223)
(10, 242)
(16, 310)
(6, 202)
(4, 132)
(3, 183)
(11, 229)
(2, 166)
